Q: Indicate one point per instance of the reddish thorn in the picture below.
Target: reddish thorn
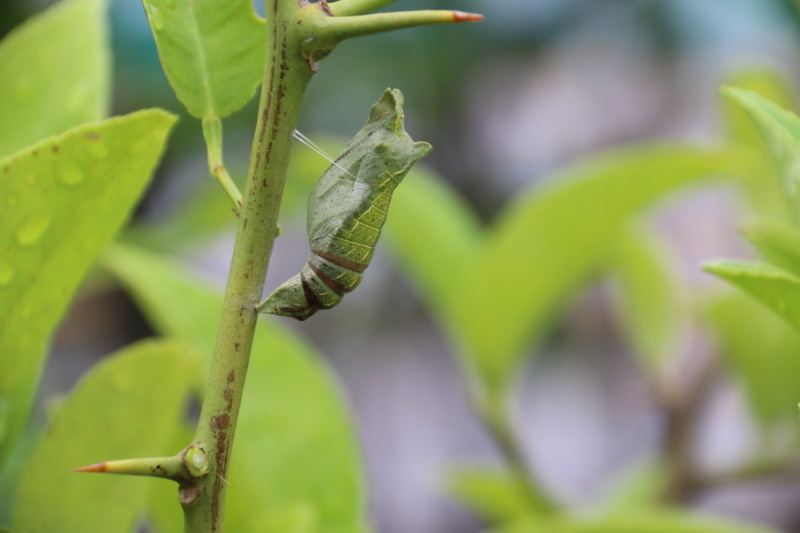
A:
(97, 467)
(460, 16)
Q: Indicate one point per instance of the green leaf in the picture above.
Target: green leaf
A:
(762, 184)
(128, 406)
(770, 85)
(640, 487)
(778, 243)
(773, 287)
(294, 452)
(762, 351)
(495, 495)
(434, 235)
(645, 522)
(648, 295)
(547, 244)
(54, 73)
(63, 201)
(212, 52)
(780, 130)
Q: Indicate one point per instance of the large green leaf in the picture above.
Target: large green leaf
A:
(128, 406)
(549, 242)
(54, 73)
(648, 295)
(763, 352)
(212, 52)
(773, 287)
(780, 130)
(63, 200)
(648, 522)
(434, 234)
(778, 243)
(295, 461)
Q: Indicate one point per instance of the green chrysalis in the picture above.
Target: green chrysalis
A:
(347, 210)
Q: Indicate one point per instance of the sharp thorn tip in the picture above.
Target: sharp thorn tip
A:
(461, 16)
(97, 467)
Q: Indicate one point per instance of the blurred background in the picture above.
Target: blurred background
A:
(537, 85)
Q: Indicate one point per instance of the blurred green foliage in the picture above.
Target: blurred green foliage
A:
(496, 289)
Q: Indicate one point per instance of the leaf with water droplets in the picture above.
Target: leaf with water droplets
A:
(54, 73)
(127, 406)
(211, 80)
(52, 228)
(777, 289)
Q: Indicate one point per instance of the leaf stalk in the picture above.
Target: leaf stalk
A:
(212, 131)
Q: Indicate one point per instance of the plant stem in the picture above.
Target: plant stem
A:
(285, 78)
(496, 419)
(212, 131)
(682, 406)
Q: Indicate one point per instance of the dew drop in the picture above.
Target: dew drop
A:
(33, 230)
(70, 175)
(156, 18)
(7, 273)
(97, 149)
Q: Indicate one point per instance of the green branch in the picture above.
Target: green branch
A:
(285, 78)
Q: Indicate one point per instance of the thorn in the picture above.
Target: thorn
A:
(97, 467)
(461, 16)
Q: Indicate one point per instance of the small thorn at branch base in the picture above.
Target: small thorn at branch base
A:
(461, 16)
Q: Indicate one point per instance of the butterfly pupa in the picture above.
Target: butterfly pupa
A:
(347, 210)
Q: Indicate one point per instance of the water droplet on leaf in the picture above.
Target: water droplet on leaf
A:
(70, 175)
(32, 231)
(97, 148)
